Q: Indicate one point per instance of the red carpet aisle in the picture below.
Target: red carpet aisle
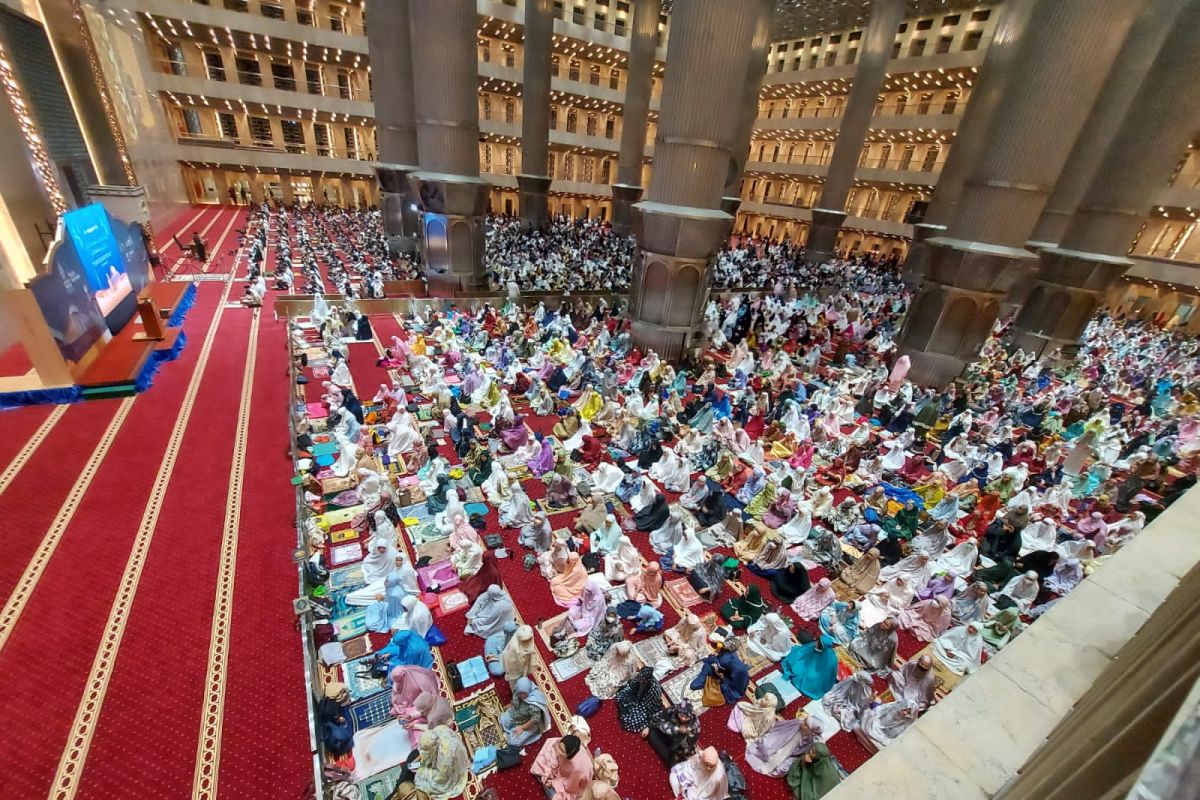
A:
(122, 544)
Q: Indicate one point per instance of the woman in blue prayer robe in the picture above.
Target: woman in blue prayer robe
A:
(812, 667)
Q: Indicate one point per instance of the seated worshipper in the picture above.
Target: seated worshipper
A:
(591, 518)
(494, 646)
(849, 699)
(408, 683)
(712, 508)
(518, 656)
(769, 638)
(543, 461)
(723, 679)
(708, 578)
(997, 576)
(970, 604)
(672, 732)
(840, 620)
(334, 726)
(414, 616)
(780, 511)
(639, 699)
(536, 533)
(515, 511)
(753, 718)
(915, 569)
(385, 614)
(588, 610)
(652, 516)
(431, 710)
(477, 584)
(498, 486)
(999, 629)
(754, 538)
(566, 426)
(554, 561)
(688, 640)
(666, 537)
(607, 632)
(614, 668)
(606, 776)
(490, 613)
(468, 559)
(862, 575)
(773, 753)
(865, 534)
(812, 667)
(527, 716)
(915, 681)
(959, 561)
(646, 586)
(882, 724)
(564, 767)
(824, 549)
(1020, 591)
(622, 562)
(701, 777)
(875, 648)
(671, 471)
(885, 600)
(926, 620)
(567, 585)
(791, 581)
(462, 531)
(814, 774)
(960, 649)
(1066, 576)
(809, 605)
(797, 529)
(606, 538)
(444, 763)
(560, 492)
(742, 612)
(406, 648)
(932, 541)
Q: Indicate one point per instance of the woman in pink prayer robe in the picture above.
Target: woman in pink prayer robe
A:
(564, 767)
(927, 619)
(899, 373)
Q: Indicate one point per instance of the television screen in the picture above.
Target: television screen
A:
(99, 255)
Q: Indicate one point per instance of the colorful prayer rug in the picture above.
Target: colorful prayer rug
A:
(356, 675)
(478, 720)
(685, 596)
(372, 711)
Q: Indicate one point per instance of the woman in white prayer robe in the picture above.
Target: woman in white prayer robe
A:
(960, 649)
(622, 562)
(1022, 590)
(885, 600)
(663, 539)
(915, 569)
(881, 725)
(959, 561)
(671, 471)
(607, 477)
(1040, 534)
(497, 487)
(770, 637)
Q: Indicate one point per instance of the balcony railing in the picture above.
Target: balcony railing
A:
(809, 112)
(917, 109)
(903, 164)
(259, 145)
(809, 160)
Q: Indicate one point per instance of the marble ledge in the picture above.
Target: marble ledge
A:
(1051, 665)
(1097, 617)
(911, 768)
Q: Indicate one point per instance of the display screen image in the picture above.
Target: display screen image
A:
(99, 255)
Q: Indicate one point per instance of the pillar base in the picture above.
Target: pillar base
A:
(1070, 288)
(822, 235)
(535, 202)
(401, 220)
(918, 252)
(452, 222)
(961, 298)
(624, 196)
(730, 205)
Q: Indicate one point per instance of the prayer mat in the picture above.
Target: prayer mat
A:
(678, 688)
(381, 786)
(435, 550)
(654, 649)
(475, 496)
(564, 669)
(715, 536)
(345, 553)
(346, 499)
(830, 727)
(374, 710)
(355, 648)
(476, 508)
(786, 690)
(416, 511)
(379, 749)
(547, 627)
(332, 518)
(424, 532)
(346, 577)
(329, 449)
(845, 593)
(683, 593)
(440, 573)
(755, 662)
(351, 626)
(333, 486)
(343, 535)
(617, 595)
(356, 675)
(551, 510)
(316, 411)
(450, 602)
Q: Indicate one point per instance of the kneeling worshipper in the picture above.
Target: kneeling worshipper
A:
(564, 767)
(606, 537)
(673, 732)
(646, 585)
(701, 777)
(688, 640)
(809, 605)
(431, 710)
(849, 699)
(885, 600)
(814, 774)
(812, 667)
(723, 678)
(1020, 591)
(604, 635)
(742, 612)
(1000, 628)
(519, 653)
(408, 683)
(615, 667)
(493, 648)
(527, 717)
(862, 575)
(653, 515)
(754, 718)
(639, 699)
(587, 612)
(623, 562)
(772, 753)
(386, 614)
(536, 533)
(769, 638)
(840, 620)
(926, 620)
(876, 646)
(444, 763)
(790, 582)
(666, 537)
(567, 585)
(407, 648)
(960, 649)
(490, 613)
(468, 559)
(915, 681)
(488, 575)
(882, 724)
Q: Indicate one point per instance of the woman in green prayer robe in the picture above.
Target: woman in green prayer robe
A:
(903, 523)
(813, 775)
(742, 612)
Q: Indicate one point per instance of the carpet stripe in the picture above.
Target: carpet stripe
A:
(203, 232)
(27, 451)
(180, 228)
(37, 565)
(70, 766)
(208, 752)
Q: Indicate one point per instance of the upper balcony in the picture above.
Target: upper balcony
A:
(213, 21)
(247, 92)
(267, 156)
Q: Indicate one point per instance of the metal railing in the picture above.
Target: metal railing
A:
(902, 164)
(808, 112)
(809, 160)
(259, 145)
(918, 108)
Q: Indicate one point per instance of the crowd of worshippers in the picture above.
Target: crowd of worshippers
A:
(754, 263)
(825, 504)
(343, 251)
(569, 255)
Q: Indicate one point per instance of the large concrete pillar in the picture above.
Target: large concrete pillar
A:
(1138, 163)
(998, 67)
(860, 107)
(643, 44)
(756, 68)
(1067, 50)
(1124, 80)
(534, 182)
(395, 128)
(448, 190)
(681, 225)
